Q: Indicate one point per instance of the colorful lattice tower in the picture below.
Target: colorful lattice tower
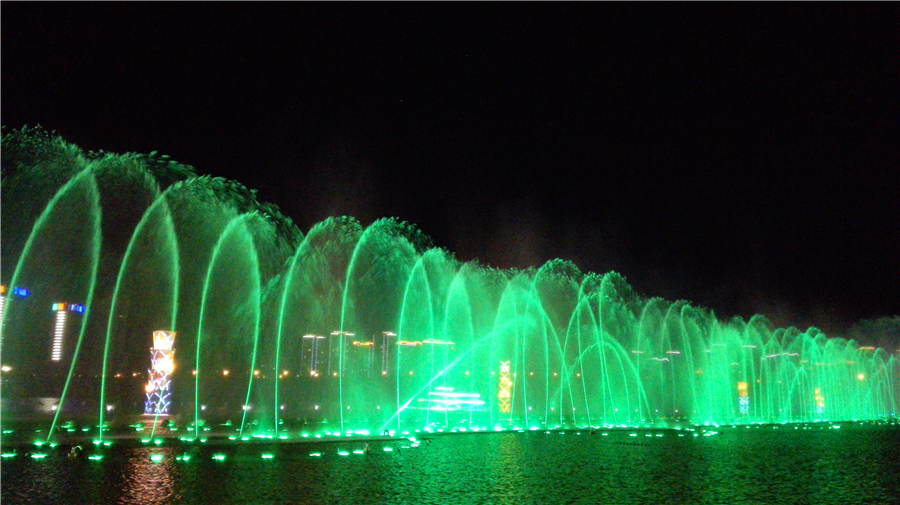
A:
(820, 402)
(505, 393)
(162, 363)
(743, 398)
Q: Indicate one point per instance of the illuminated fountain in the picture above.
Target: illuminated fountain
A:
(353, 328)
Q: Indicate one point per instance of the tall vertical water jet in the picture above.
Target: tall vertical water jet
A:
(378, 272)
(228, 334)
(310, 310)
(145, 296)
(59, 263)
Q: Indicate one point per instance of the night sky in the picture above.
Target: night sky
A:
(742, 157)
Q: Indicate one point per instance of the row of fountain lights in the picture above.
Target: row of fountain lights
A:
(407, 440)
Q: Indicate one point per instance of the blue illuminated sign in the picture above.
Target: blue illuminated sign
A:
(21, 292)
(75, 307)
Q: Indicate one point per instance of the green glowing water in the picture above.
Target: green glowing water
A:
(856, 464)
(356, 327)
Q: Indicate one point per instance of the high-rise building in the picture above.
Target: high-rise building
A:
(311, 354)
(337, 341)
(363, 358)
(59, 330)
(387, 338)
(18, 291)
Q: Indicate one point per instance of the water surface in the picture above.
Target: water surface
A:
(815, 465)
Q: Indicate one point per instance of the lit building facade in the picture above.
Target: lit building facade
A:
(311, 353)
(62, 310)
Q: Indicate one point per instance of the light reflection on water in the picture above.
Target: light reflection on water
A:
(146, 481)
(857, 465)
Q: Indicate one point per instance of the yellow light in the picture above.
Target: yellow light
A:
(861, 377)
(5, 368)
(163, 340)
(224, 372)
(149, 388)
(256, 372)
(165, 365)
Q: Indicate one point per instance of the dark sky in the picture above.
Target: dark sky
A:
(742, 157)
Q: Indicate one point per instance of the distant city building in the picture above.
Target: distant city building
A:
(311, 353)
(18, 291)
(363, 358)
(386, 339)
(334, 349)
(59, 330)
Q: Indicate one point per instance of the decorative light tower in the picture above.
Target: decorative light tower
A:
(743, 399)
(820, 402)
(159, 387)
(505, 394)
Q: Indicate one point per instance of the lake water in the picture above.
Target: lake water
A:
(815, 464)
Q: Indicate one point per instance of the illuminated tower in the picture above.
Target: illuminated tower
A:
(2, 299)
(505, 393)
(820, 402)
(59, 330)
(743, 398)
(162, 363)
